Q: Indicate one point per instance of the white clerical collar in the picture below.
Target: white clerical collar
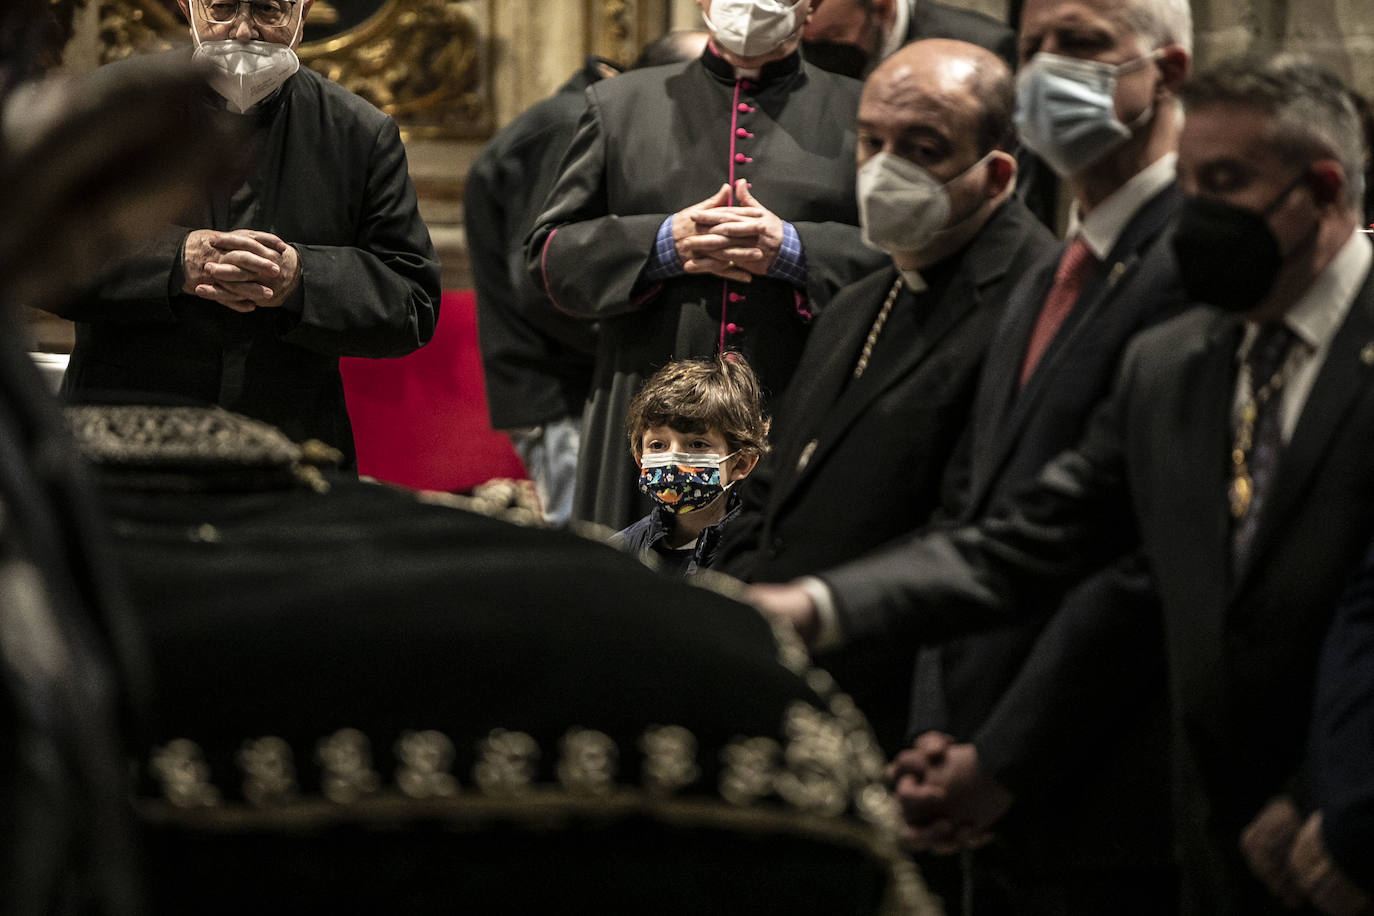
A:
(913, 280)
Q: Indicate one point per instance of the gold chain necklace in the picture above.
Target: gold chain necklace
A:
(877, 328)
(1242, 488)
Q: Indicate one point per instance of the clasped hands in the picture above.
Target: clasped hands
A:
(1287, 853)
(243, 270)
(737, 242)
(949, 801)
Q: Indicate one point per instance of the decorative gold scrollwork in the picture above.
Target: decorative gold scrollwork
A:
(346, 757)
(505, 764)
(185, 776)
(669, 759)
(137, 26)
(792, 652)
(750, 770)
(817, 771)
(269, 771)
(426, 758)
(588, 762)
(417, 60)
(879, 807)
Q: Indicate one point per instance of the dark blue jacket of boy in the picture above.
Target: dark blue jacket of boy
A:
(648, 535)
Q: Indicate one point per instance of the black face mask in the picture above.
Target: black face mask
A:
(837, 57)
(1227, 255)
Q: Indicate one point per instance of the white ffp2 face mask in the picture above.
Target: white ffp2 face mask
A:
(902, 207)
(751, 28)
(245, 72)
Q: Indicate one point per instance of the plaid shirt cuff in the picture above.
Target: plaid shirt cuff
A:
(663, 263)
(791, 261)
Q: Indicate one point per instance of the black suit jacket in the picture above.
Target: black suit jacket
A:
(856, 463)
(1029, 697)
(1152, 472)
(1342, 768)
(860, 461)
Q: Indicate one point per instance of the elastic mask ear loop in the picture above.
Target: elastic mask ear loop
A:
(1148, 115)
(981, 160)
(1307, 240)
(300, 21)
(952, 223)
(725, 487)
(1283, 195)
(195, 33)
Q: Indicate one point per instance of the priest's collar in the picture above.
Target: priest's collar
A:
(772, 71)
(936, 275)
(913, 280)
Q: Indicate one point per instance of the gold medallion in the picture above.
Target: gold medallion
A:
(1239, 494)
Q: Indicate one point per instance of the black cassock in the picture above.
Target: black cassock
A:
(651, 143)
(327, 173)
(536, 361)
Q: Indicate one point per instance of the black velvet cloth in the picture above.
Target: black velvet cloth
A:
(280, 618)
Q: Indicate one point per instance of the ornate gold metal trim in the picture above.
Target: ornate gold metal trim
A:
(617, 29)
(418, 61)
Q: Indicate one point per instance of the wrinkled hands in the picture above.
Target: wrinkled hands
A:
(949, 802)
(737, 242)
(243, 270)
(1287, 853)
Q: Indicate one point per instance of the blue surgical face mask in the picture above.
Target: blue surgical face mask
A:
(1066, 110)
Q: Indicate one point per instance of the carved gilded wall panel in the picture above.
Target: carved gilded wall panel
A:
(420, 61)
(617, 29)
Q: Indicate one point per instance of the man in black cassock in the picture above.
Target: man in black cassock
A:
(701, 207)
(537, 362)
(317, 251)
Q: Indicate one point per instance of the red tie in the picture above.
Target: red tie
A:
(1068, 280)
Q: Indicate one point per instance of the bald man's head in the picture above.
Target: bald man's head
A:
(972, 82)
(944, 107)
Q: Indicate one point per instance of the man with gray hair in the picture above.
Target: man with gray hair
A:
(1232, 452)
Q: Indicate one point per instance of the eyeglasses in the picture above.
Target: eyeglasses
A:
(264, 12)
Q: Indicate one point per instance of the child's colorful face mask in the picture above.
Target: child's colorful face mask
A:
(682, 482)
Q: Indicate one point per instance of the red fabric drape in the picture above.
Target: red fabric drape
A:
(421, 420)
